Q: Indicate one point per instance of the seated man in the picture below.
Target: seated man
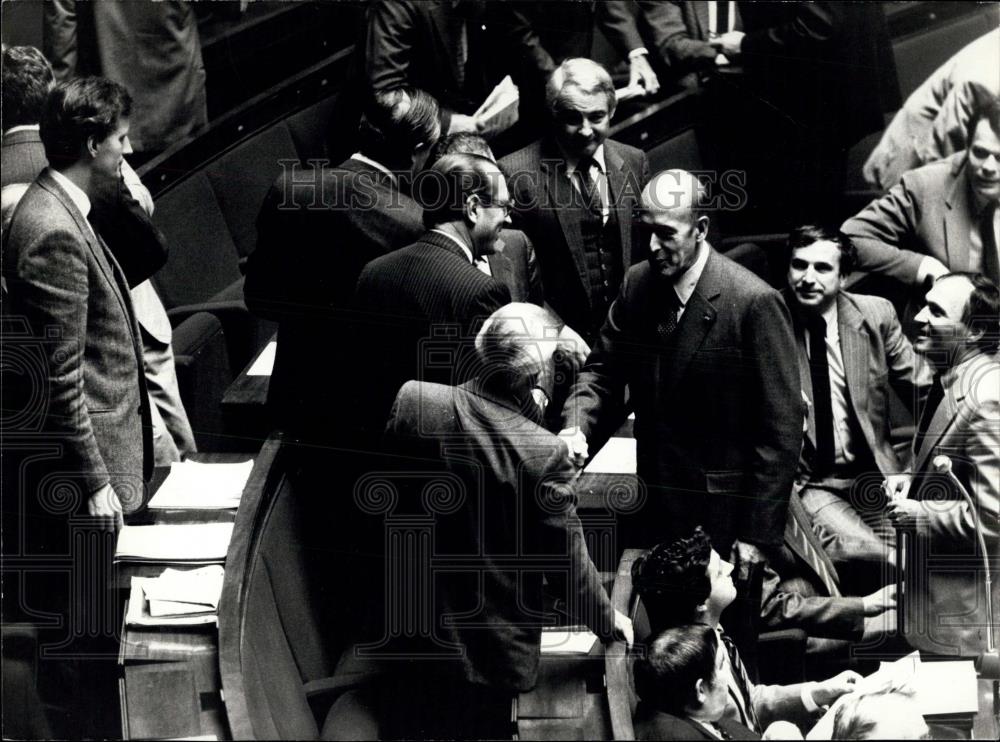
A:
(688, 582)
(501, 510)
(682, 683)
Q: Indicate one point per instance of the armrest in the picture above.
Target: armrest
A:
(337, 684)
(229, 309)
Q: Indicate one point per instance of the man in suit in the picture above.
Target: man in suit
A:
(934, 121)
(123, 217)
(681, 681)
(682, 32)
(852, 356)
(575, 191)
(69, 293)
(515, 480)
(317, 229)
(706, 350)
(418, 306)
(939, 217)
(685, 581)
(945, 600)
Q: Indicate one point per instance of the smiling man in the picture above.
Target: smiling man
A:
(941, 217)
(945, 601)
(852, 353)
(575, 191)
(706, 350)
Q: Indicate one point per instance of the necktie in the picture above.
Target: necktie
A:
(819, 370)
(742, 680)
(802, 541)
(588, 186)
(666, 326)
(934, 398)
(991, 260)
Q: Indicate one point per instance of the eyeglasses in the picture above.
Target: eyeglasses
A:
(507, 206)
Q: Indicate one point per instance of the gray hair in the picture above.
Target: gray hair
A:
(505, 341)
(585, 74)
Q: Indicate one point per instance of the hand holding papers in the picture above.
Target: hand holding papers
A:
(202, 486)
(499, 111)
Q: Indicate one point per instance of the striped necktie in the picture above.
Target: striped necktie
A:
(742, 680)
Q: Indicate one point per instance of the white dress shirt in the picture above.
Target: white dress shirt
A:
(598, 173)
(843, 444)
(76, 195)
(686, 282)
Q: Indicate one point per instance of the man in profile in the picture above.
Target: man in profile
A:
(508, 517)
(958, 433)
(66, 287)
(575, 191)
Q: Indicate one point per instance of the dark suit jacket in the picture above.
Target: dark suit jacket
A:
(678, 31)
(929, 212)
(877, 358)
(61, 278)
(418, 311)
(512, 517)
(949, 600)
(826, 64)
(22, 156)
(718, 408)
(517, 268)
(544, 195)
(317, 229)
(651, 724)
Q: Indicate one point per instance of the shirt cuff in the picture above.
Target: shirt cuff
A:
(807, 698)
(640, 52)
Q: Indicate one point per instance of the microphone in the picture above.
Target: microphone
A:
(942, 465)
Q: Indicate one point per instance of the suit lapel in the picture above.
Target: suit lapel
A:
(805, 378)
(701, 18)
(616, 190)
(854, 351)
(956, 225)
(944, 417)
(560, 198)
(500, 268)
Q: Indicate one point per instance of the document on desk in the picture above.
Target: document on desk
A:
(192, 485)
(616, 457)
(264, 364)
(568, 640)
(138, 613)
(178, 591)
(198, 543)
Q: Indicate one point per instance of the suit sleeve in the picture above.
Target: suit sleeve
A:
(59, 41)
(596, 402)
(53, 289)
(672, 38)
(780, 703)
(814, 23)
(536, 290)
(979, 470)
(770, 350)
(518, 35)
(909, 375)
(617, 21)
(817, 615)
(579, 584)
(884, 231)
(138, 246)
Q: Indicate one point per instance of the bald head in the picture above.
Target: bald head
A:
(672, 205)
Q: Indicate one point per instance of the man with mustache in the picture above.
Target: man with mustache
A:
(574, 192)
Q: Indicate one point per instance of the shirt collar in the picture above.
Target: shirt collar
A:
(831, 317)
(75, 193)
(685, 284)
(453, 238)
(22, 127)
(597, 157)
(372, 163)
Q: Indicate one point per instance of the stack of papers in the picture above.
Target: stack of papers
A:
(199, 543)
(616, 457)
(499, 111)
(263, 365)
(192, 485)
(194, 600)
(568, 640)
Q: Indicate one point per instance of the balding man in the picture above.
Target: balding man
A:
(707, 352)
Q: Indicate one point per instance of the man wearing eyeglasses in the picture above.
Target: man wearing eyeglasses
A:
(418, 305)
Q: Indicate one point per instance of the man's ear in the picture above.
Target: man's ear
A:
(699, 691)
(91, 145)
(472, 209)
(701, 226)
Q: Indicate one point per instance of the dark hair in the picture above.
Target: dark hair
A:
(460, 143)
(26, 79)
(807, 234)
(444, 189)
(80, 109)
(674, 662)
(987, 107)
(982, 311)
(395, 123)
(672, 579)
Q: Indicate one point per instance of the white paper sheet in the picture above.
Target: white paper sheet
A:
(567, 641)
(138, 611)
(617, 457)
(197, 486)
(191, 544)
(264, 364)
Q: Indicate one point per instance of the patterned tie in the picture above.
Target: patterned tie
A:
(803, 542)
(819, 371)
(988, 237)
(589, 189)
(742, 680)
(671, 304)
